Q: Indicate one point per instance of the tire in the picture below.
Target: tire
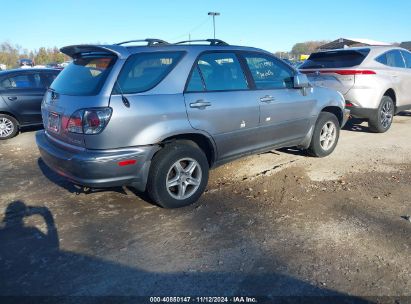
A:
(382, 120)
(9, 126)
(170, 171)
(325, 136)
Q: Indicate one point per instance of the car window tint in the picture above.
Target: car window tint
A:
(335, 59)
(196, 83)
(269, 73)
(382, 59)
(222, 72)
(84, 76)
(394, 59)
(144, 71)
(23, 81)
(407, 57)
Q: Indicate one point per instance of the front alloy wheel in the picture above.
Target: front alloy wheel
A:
(328, 135)
(325, 135)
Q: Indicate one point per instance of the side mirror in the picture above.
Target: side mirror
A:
(301, 81)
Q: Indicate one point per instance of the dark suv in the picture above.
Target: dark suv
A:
(21, 93)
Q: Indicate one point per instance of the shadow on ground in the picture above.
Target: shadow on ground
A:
(32, 263)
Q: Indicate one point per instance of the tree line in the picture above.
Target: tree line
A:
(11, 53)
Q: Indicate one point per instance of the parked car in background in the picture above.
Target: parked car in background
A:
(3, 67)
(158, 117)
(375, 81)
(21, 93)
(54, 65)
(25, 63)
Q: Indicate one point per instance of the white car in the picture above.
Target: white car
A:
(375, 81)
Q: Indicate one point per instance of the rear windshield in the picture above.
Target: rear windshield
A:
(84, 76)
(143, 71)
(335, 59)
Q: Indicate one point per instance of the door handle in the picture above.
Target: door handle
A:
(267, 99)
(200, 104)
(12, 98)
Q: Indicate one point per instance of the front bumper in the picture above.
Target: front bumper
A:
(97, 168)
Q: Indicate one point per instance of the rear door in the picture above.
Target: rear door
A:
(285, 112)
(23, 92)
(219, 102)
(334, 69)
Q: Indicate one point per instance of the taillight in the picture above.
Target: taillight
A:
(89, 121)
(342, 72)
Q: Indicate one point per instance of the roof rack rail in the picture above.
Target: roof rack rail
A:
(150, 41)
(213, 42)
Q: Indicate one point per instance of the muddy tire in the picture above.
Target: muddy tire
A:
(325, 136)
(178, 175)
(382, 120)
(9, 126)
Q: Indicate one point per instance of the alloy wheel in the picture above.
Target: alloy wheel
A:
(183, 178)
(6, 127)
(386, 114)
(328, 135)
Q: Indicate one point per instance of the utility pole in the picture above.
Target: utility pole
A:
(214, 14)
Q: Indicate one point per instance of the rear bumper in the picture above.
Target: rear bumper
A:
(97, 168)
(362, 112)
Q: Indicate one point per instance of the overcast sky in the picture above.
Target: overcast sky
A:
(265, 24)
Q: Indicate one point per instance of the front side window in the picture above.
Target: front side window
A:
(84, 76)
(220, 72)
(269, 73)
(407, 57)
(392, 59)
(143, 71)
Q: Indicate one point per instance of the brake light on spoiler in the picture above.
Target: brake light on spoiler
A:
(342, 72)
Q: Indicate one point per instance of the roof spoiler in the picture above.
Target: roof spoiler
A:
(75, 51)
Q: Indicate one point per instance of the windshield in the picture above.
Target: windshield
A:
(84, 76)
(335, 59)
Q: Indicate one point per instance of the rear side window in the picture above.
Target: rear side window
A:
(196, 83)
(84, 76)
(335, 59)
(220, 72)
(407, 57)
(144, 71)
(392, 59)
(269, 73)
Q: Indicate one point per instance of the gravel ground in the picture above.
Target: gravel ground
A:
(275, 224)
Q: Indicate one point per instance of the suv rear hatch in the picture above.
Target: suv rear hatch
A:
(335, 69)
(79, 86)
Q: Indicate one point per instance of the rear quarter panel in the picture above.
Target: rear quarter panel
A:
(148, 120)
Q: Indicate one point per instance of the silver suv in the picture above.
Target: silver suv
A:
(158, 116)
(375, 81)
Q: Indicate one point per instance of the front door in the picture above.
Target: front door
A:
(285, 112)
(219, 102)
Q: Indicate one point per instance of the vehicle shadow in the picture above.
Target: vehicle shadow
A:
(33, 264)
(355, 125)
(404, 113)
(31, 129)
